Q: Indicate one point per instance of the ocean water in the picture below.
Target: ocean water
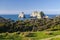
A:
(15, 17)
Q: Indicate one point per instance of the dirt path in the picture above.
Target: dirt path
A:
(50, 37)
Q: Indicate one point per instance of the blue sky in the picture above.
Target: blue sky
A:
(28, 6)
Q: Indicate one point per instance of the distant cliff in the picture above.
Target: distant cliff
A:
(5, 20)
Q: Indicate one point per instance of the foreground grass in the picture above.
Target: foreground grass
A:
(28, 35)
(55, 38)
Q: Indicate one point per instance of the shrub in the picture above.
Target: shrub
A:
(48, 33)
(18, 32)
(31, 35)
(6, 33)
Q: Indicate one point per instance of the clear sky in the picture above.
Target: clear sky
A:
(27, 6)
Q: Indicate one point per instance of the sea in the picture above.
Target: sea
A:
(15, 16)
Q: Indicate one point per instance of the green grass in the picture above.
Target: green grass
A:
(55, 39)
(28, 35)
(41, 35)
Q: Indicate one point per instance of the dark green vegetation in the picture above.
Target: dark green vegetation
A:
(8, 25)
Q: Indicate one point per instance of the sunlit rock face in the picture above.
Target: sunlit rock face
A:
(58, 16)
(34, 14)
(37, 14)
(46, 17)
(21, 15)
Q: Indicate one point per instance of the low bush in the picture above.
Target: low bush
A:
(31, 35)
(48, 33)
